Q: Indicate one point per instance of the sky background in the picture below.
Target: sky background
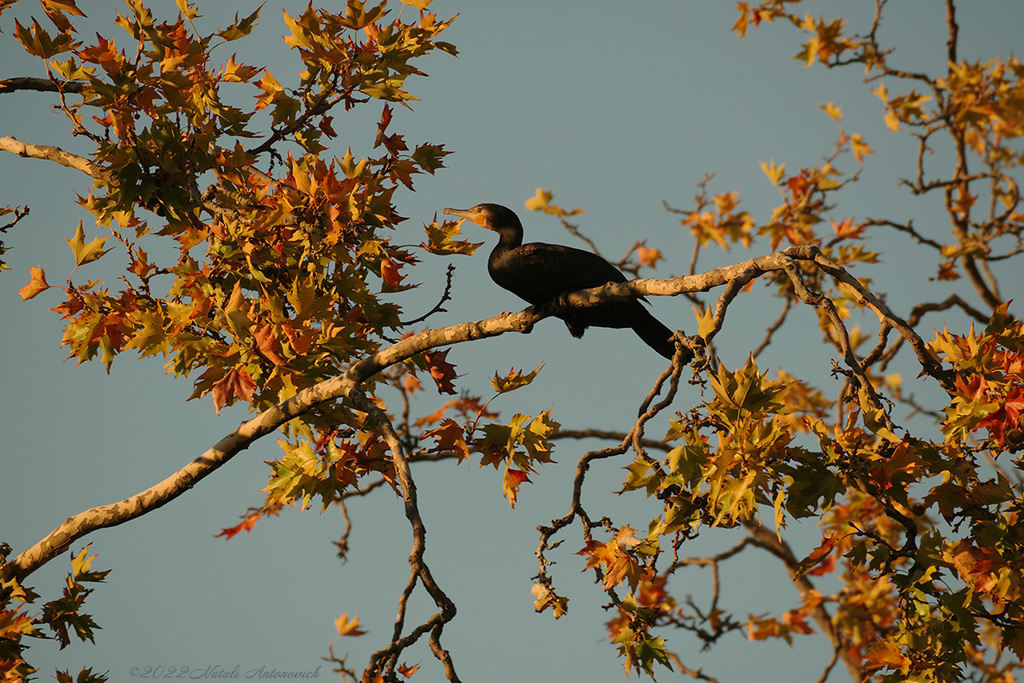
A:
(617, 107)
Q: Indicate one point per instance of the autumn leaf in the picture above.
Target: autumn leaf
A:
(348, 627)
(85, 253)
(648, 256)
(546, 598)
(832, 110)
(37, 283)
(846, 229)
(511, 482)
(513, 380)
(405, 669)
(541, 201)
(237, 383)
(246, 524)
(705, 321)
(885, 654)
(859, 147)
(774, 173)
(450, 437)
(441, 239)
(441, 370)
(267, 342)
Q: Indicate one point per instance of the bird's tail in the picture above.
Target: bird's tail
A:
(656, 335)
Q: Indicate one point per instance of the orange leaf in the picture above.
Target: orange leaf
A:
(348, 627)
(510, 485)
(245, 525)
(268, 344)
(35, 285)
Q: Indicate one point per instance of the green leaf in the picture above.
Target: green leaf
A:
(85, 253)
(513, 380)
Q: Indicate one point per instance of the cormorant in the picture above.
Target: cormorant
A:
(539, 273)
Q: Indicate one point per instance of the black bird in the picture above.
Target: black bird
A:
(540, 273)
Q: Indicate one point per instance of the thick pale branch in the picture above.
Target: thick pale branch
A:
(160, 494)
(56, 154)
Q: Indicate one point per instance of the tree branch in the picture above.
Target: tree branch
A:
(56, 154)
(766, 539)
(248, 432)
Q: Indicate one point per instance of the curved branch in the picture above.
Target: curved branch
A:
(158, 495)
(269, 420)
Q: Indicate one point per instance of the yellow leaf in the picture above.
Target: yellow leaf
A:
(540, 200)
(773, 172)
(832, 110)
(85, 253)
(705, 321)
(348, 627)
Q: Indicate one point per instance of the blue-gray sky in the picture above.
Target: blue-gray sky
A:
(616, 107)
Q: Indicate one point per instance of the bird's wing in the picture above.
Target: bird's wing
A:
(569, 267)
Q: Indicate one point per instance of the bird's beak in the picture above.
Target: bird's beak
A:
(467, 214)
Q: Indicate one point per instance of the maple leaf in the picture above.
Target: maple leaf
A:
(237, 383)
(348, 627)
(246, 524)
(541, 201)
(407, 670)
(85, 253)
(441, 370)
(774, 173)
(859, 147)
(832, 110)
(510, 484)
(389, 271)
(846, 229)
(37, 283)
(513, 380)
(450, 436)
(441, 239)
(818, 555)
(271, 89)
(548, 598)
(648, 256)
(1006, 418)
(268, 344)
(884, 653)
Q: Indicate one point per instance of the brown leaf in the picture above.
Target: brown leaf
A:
(441, 370)
(235, 384)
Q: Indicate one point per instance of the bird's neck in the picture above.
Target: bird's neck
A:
(509, 237)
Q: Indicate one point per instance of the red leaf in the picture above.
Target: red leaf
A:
(441, 370)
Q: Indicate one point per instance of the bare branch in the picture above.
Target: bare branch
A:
(56, 154)
(39, 85)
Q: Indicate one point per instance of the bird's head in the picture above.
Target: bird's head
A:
(491, 216)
